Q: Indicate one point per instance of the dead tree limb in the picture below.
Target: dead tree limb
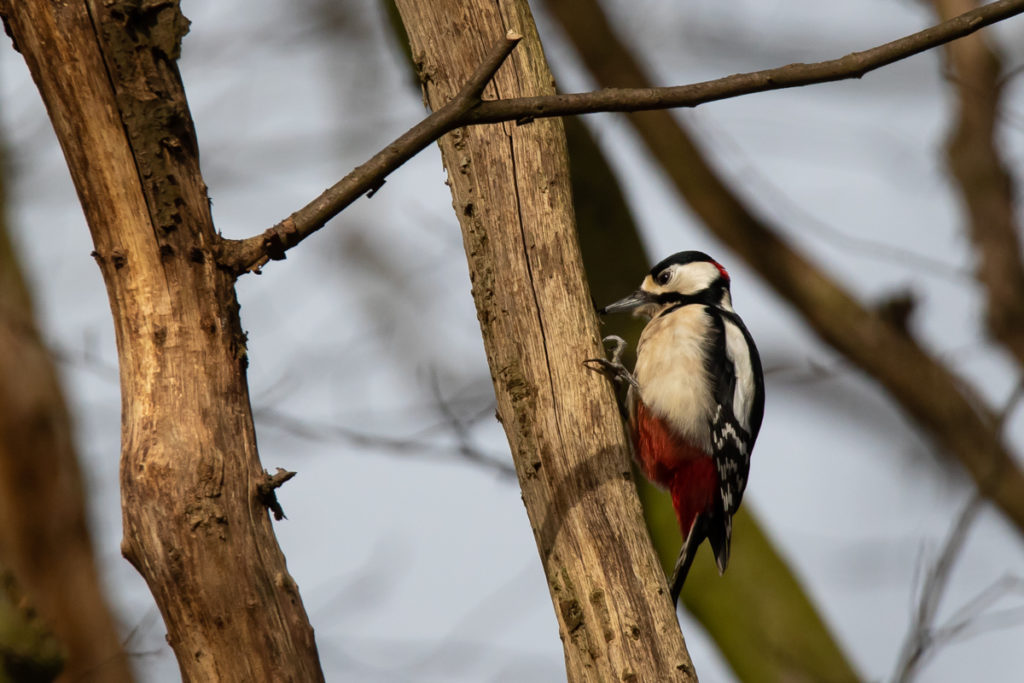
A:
(193, 522)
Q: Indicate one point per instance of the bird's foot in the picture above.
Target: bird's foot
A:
(612, 368)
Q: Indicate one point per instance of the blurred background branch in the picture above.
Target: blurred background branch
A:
(45, 542)
(921, 636)
(985, 184)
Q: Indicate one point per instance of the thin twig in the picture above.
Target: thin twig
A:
(1010, 406)
(466, 109)
(853, 65)
(252, 253)
(418, 445)
(460, 429)
(827, 232)
(921, 635)
(974, 614)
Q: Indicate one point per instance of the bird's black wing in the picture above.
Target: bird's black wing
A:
(731, 443)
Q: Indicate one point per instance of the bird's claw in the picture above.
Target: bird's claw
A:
(618, 349)
(613, 369)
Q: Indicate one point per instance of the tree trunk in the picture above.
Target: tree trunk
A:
(510, 189)
(44, 538)
(194, 522)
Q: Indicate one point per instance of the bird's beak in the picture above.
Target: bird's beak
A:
(633, 301)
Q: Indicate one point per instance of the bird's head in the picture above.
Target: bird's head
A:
(683, 278)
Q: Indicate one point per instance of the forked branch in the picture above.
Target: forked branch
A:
(252, 253)
(468, 109)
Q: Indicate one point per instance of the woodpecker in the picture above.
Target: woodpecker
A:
(695, 400)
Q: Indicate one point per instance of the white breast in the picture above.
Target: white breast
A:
(672, 373)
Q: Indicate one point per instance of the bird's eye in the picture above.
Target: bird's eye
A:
(664, 276)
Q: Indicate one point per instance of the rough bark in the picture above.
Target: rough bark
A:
(44, 538)
(984, 181)
(510, 191)
(194, 524)
(944, 408)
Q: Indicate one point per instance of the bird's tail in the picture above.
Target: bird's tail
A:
(694, 485)
(698, 532)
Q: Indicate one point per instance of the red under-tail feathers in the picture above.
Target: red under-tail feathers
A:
(687, 472)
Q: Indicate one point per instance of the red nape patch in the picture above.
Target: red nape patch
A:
(721, 269)
(660, 451)
(693, 490)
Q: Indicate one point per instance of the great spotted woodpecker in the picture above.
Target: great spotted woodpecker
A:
(695, 400)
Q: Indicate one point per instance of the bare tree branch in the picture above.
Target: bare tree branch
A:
(466, 109)
(1011, 405)
(414, 445)
(817, 228)
(923, 637)
(973, 617)
(985, 183)
(460, 430)
(853, 65)
(920, 637)
(254, 252)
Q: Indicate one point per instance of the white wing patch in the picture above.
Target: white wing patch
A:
(738, 353)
